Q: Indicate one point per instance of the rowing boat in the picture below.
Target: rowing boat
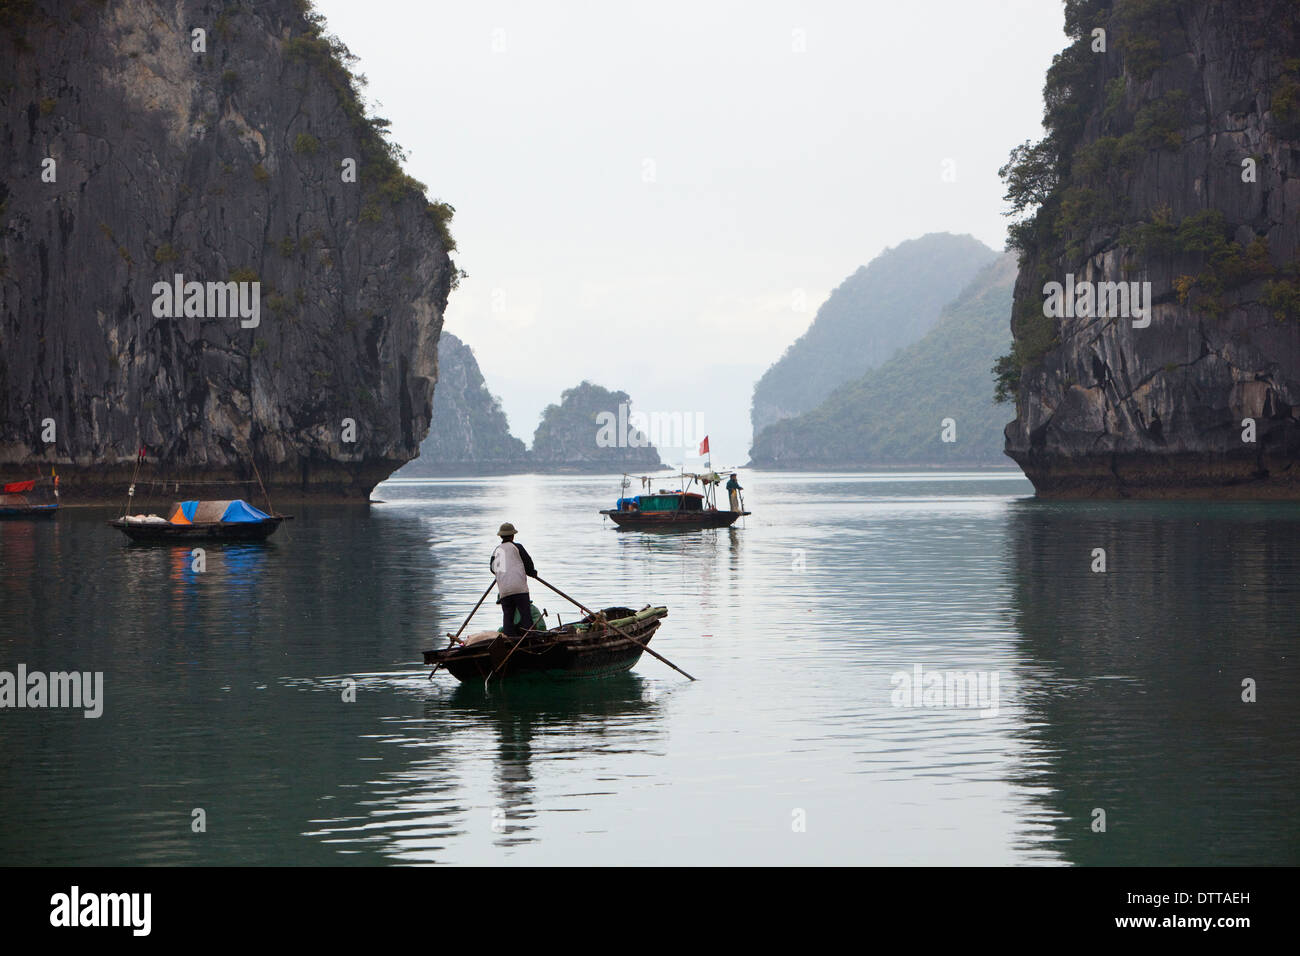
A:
(591, 647)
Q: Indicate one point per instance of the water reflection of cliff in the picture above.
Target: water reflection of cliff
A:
(1133, 679)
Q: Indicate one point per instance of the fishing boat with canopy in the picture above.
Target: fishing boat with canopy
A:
(669, 507)
(33, 498)
(196, 519)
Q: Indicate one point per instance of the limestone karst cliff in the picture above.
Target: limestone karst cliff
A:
(469, 433)
(1171, 157)
(140, 142)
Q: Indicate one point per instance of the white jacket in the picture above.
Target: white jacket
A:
(509, 569)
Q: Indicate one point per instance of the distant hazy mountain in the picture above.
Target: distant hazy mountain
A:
(587, 432)
(894, 414)
(469, 432)
(882, 307)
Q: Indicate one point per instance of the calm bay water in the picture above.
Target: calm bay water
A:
(224, 689)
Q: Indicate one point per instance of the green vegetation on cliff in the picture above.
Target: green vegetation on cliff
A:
(893, 415)
(884, 306)
(1169, 162)
(381, 157)
(1095, 182)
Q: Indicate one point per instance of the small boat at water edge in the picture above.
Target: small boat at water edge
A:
(232, 520)
(591, 647)
(35, 498)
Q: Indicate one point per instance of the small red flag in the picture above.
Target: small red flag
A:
(704, 446)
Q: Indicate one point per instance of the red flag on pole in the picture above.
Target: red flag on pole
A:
(704, 446)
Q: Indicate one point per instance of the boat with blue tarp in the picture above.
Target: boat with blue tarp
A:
(229, 520)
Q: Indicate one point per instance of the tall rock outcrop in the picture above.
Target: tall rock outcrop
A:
(469, 433)
(1172, 156)
(592, 429)
(886, 305)
(212, 141)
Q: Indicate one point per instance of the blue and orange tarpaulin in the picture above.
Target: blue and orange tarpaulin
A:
(184, 513)
(233, 512)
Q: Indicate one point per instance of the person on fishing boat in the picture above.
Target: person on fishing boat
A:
(513, 567)
(733, 492)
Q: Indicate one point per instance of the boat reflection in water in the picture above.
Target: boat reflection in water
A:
(217, 584)
(535, 742)
(539, 723)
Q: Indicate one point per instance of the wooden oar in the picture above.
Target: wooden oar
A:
(506, 658)
(455, 638)
(615, 627)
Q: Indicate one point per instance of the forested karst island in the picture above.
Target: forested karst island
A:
(883, 306)
(591, 429)
(929, 405)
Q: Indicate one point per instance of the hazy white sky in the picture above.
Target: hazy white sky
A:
(658, 196)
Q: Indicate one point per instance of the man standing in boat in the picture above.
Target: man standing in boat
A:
(513, 567)
(733, 492)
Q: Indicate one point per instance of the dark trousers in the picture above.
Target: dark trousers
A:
(516, 602)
